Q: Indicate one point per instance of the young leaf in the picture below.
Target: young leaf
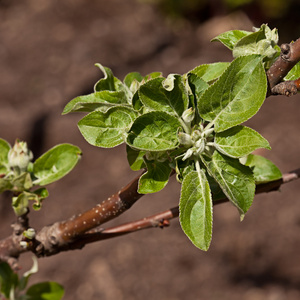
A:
(4, 149)
(237, 95)
(235, 179)
(132, 77)
(135, 158)
(263, 169)
(5, 184)
(210, 72)
(156, 177)
(239, 141)
(154, 131)
(102, 100)
(109, 82)
(55, 163)
(195, 209)
(46, 291)
(107, 129)
(230, 38)
(262, 42)
(155, 97)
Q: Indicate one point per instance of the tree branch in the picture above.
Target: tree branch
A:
(289, 57)
(161, 220)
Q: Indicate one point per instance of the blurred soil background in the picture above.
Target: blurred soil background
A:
(47, 54)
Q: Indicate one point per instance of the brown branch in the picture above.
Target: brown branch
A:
(286, 88)
(289, 57)
(161, 220)
(58, 236)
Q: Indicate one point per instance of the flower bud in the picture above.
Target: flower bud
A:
(19, 156)
(188, 115)
(184, 139)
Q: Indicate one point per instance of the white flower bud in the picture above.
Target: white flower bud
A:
(19, 155)
(184, 139)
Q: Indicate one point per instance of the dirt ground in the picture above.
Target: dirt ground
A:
(47, 54)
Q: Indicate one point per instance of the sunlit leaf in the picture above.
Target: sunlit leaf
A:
(235, 179)
(55, 163)
(237, 95)
(196, 209)
(263, 169)
(107, 129)
(154, 131)
(239, 141)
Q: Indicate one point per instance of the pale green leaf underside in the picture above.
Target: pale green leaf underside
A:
(154, 131)
(155, 97)
(263, 169)
(99, 100)
(156, 177)
(55, 163)
(196, 209)
(235, 179)
(4, 149)
(239, 141)
(237, 95)
(107, 129)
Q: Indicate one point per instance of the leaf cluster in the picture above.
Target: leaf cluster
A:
(190, 124)
(26, 179)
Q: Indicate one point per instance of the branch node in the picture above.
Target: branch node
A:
(285, 51)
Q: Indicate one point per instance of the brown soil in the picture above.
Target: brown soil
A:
(47, 53)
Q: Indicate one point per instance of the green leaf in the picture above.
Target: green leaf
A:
(263, 169)
(156, 177)
(230, 38)
(45, 291)
(4, 149)
(155, 97)
(8, 279)
(109, 82)
(294, 73)
(210, 72)
(154, 131)
(235, 179)
(22, 182)
(262, 42)
(239, 141)
(55, 163)
(196, 209)
(107, 130)
(237, 95)
(20, 203)
(135, 158)
(102, 100)
(133, 80)
(197, 85)
(5, 184)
